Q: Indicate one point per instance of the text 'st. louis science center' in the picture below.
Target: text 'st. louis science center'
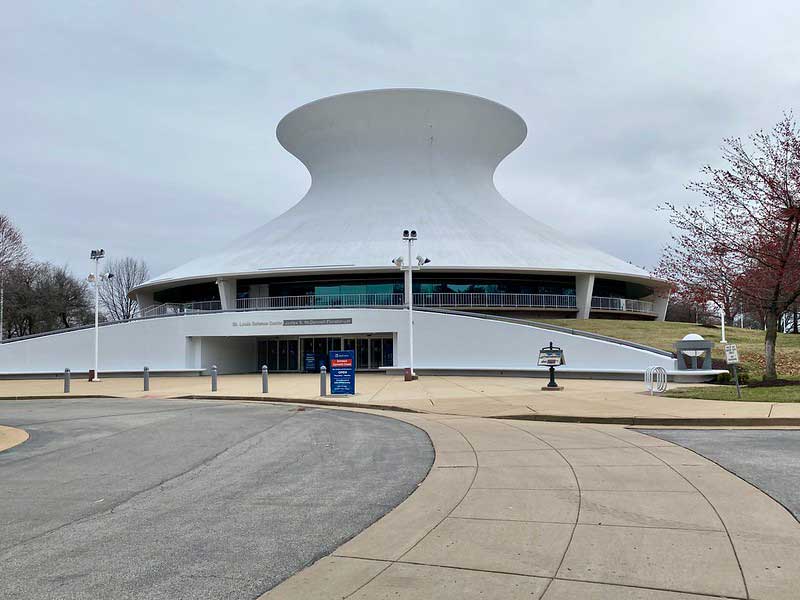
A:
(332, 272)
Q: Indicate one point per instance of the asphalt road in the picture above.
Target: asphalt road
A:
(769, 458)
(189, 499)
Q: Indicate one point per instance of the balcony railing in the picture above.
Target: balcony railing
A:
(476, 300)
(455, 299)
(623, 305)
(322, 301)
(439, 300)
(184, 308)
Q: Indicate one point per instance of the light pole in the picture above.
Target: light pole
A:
(410, 236)
(96, 278)
(2, 302)
(722, 320)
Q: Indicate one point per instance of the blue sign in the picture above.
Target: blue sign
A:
(343, 371)
(310, 362)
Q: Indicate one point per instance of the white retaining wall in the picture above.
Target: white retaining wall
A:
(228, 339)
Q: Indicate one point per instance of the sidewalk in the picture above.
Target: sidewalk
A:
(11, 436)
(553, 511)
(620, 401)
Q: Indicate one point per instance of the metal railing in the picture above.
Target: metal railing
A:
(438, 300)
(184, 308)
(496, 300)
(623, 305)
(321, 301)
(452, 299)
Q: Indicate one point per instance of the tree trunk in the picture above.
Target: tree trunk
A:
(770, 372)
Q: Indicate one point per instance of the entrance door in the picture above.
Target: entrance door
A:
(362, 353)
(262, 355)
(375, 352)
(272, 355)
(388, 352)
(292, 354)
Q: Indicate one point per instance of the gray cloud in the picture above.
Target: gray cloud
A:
(148, 127)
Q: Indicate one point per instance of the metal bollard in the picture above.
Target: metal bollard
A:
(147, 379)
(66, 381)
(213, 378)
(264, 380)
(323, 381)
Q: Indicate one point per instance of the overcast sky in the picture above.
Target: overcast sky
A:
(148, 127)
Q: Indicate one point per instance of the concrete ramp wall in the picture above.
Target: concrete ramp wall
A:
(443, 341)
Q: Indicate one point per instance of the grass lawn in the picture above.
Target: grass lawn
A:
(664, 334)
(789, 393)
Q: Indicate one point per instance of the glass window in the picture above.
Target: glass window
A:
(283, 355)
(291, 349)
(321, 351)
(272, 355)
(375, 353)
(362, 353)
(388, 352)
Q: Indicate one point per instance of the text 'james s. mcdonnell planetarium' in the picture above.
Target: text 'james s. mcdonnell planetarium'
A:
(321, 275)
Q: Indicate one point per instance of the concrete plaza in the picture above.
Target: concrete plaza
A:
(432, 394)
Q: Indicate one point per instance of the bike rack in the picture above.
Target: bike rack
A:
(655, 378)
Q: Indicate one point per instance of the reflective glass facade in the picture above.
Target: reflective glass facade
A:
(423, 283)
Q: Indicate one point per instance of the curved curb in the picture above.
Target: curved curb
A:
(396, 532)
(662, 421)
(612, 420)
(310, 401)
(11, 436)
(58, 397)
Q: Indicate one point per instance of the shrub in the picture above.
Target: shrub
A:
(727, 378)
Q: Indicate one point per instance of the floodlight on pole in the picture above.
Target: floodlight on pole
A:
(96, 278)
(410, 236)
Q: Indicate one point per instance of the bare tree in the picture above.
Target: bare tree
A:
(12, 253)
(45, 297)
(743, 238)
(128, 273)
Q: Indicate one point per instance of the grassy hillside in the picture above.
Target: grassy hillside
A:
(664, 334)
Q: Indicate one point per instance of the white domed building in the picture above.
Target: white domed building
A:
(321, 275)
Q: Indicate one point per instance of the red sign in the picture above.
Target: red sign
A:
(341, 362)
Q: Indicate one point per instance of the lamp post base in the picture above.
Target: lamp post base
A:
(547, 388)
(409, 375)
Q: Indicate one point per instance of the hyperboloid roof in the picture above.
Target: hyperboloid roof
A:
(385, 160)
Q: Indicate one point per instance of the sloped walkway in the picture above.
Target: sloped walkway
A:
(555, 511)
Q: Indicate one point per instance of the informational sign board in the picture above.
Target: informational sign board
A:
(343, 371)
(309, 362)
(551, 357)
(731, 354)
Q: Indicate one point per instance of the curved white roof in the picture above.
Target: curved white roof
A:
(385, 160)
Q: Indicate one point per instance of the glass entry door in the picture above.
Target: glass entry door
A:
(278, 355)
(371, 353)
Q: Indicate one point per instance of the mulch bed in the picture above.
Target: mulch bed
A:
(776, 383)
